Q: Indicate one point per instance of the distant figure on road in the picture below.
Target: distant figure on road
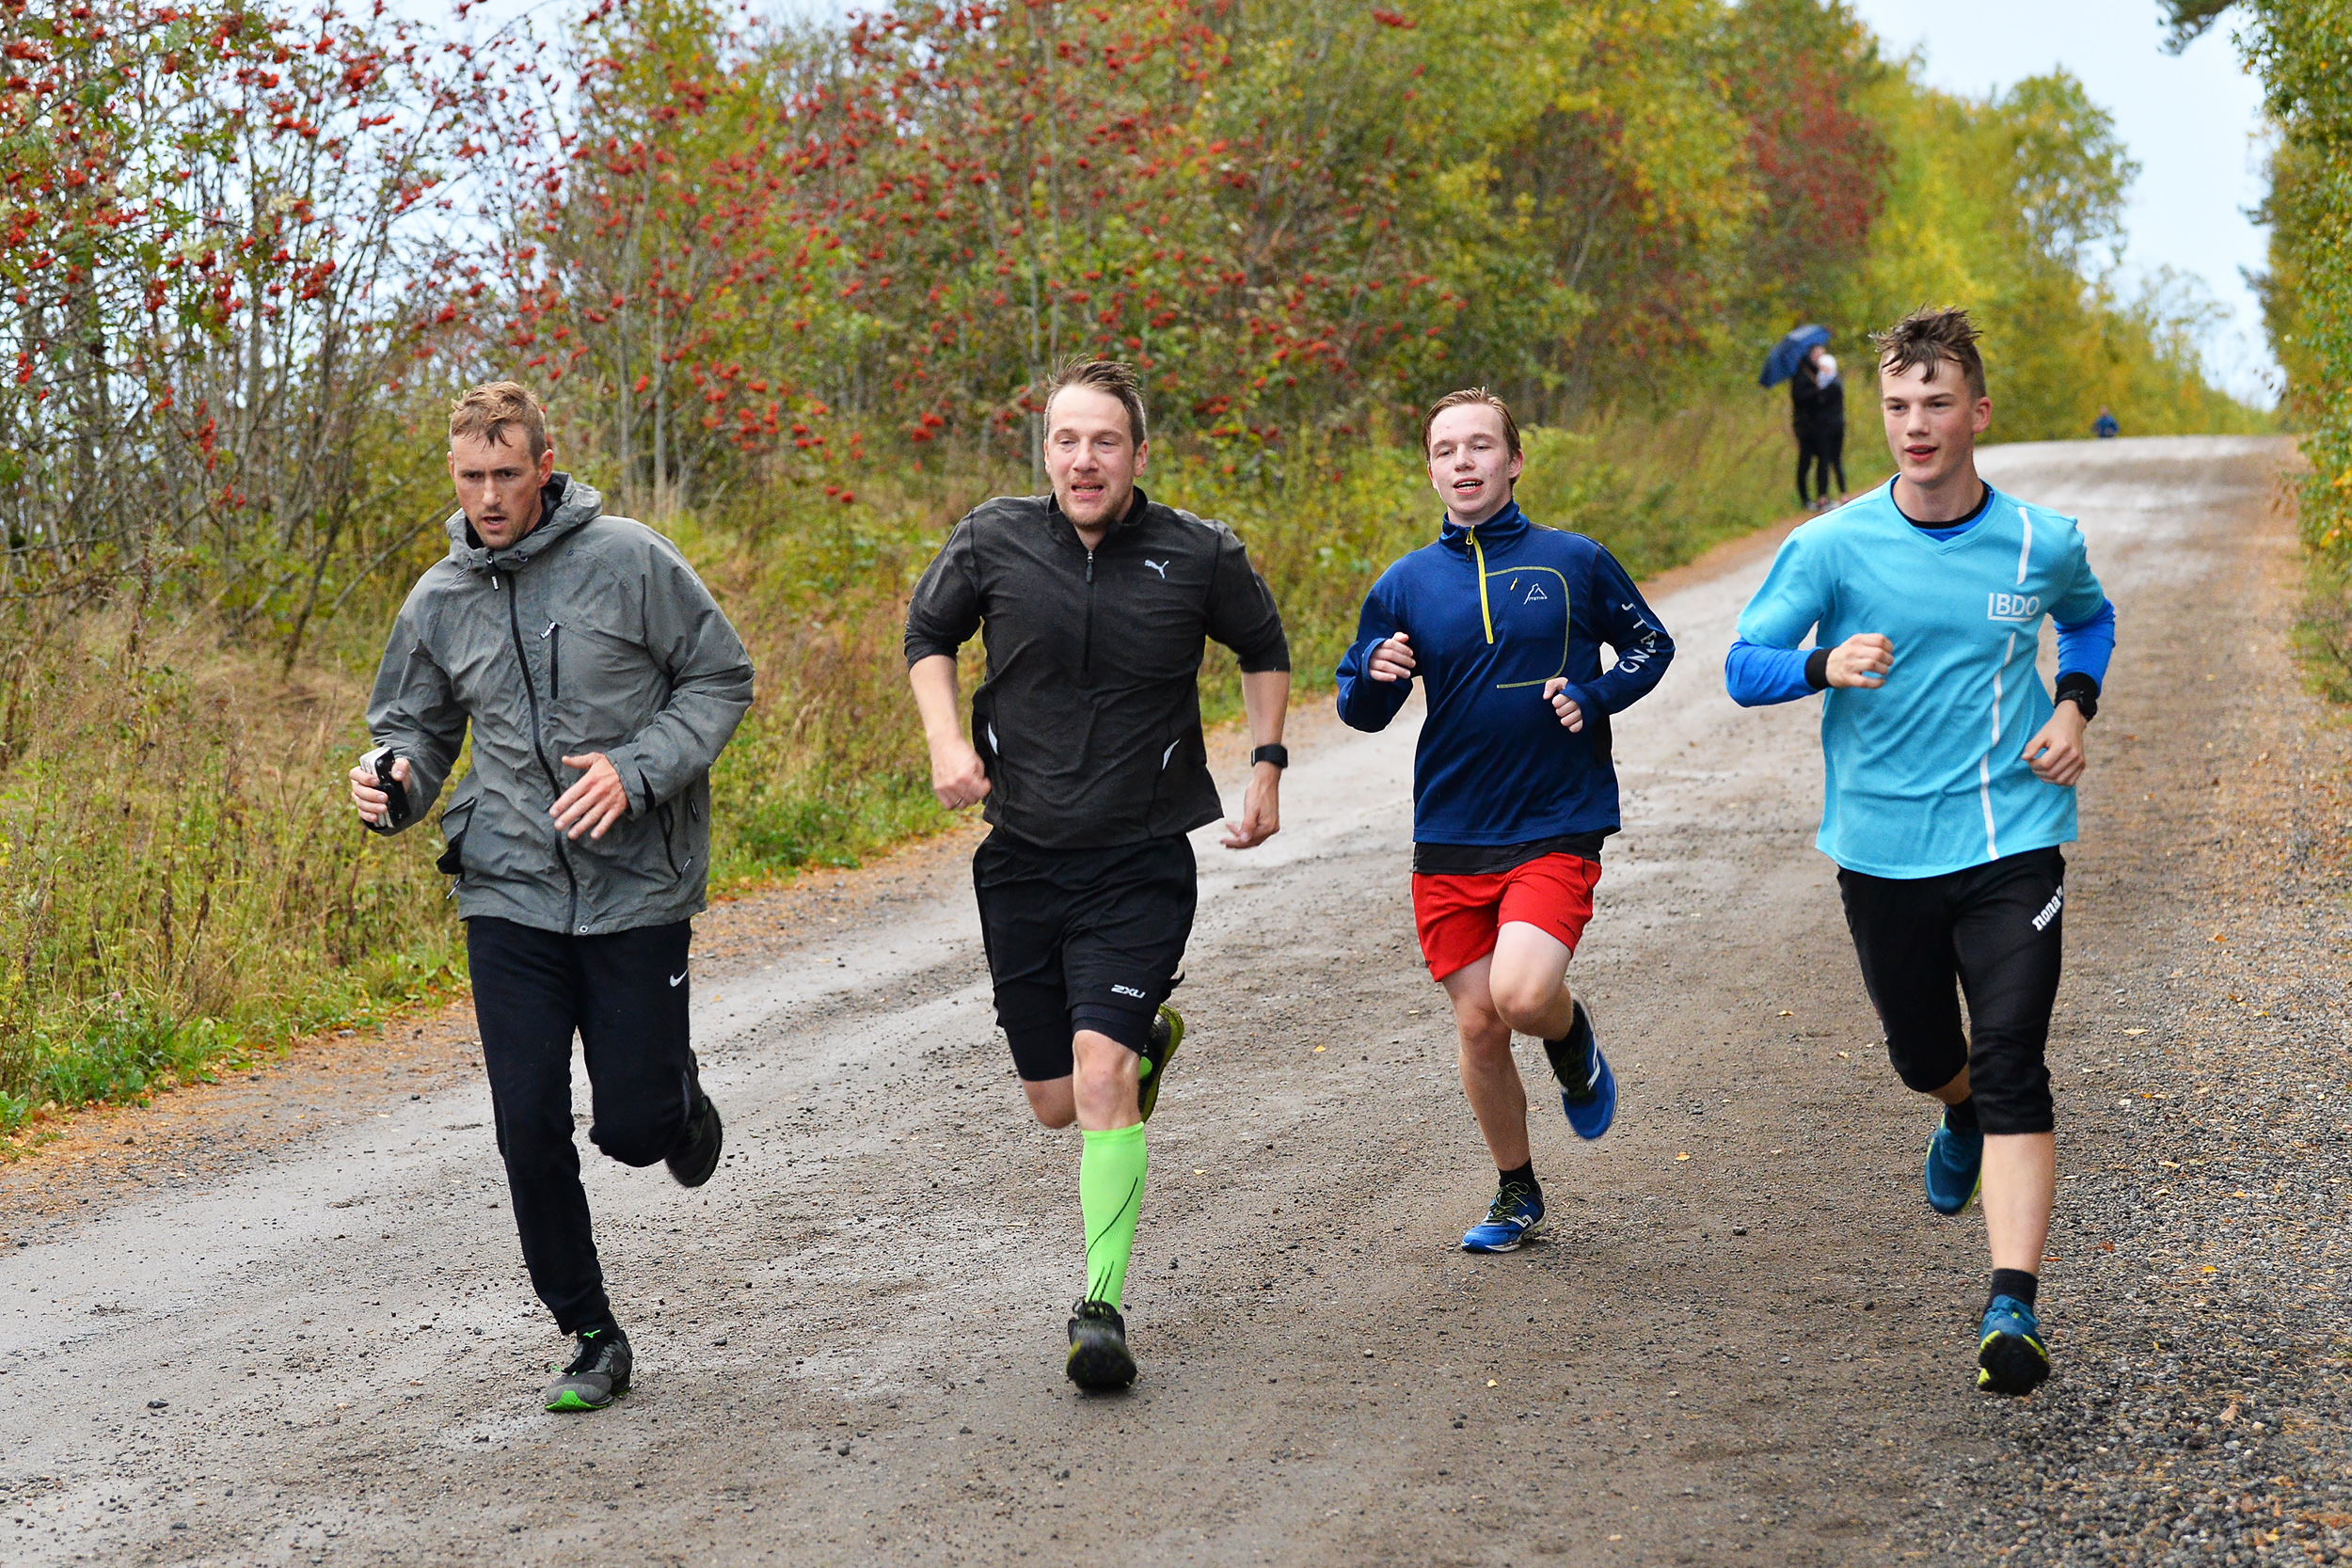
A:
(2106, 429)
(566, 640)
(1928, 598)
(1095, 603)
(1817, 401)
(1514, 788)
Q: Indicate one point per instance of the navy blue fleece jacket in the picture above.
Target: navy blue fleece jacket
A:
(1491, 615)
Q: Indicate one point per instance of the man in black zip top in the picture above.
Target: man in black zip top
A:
(599, 681)
(1095, 604)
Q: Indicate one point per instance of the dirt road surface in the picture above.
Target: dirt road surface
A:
(1746, 1340)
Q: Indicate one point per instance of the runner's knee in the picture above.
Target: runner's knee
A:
(1522, 1002)
(643, 1134)
(2009, 1078)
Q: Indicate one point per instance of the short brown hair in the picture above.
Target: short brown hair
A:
(1114, 376)
(1468, 396)
(1929, 335)
(495, 407)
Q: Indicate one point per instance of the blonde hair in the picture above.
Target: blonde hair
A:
(1472, 397)
(493, 408)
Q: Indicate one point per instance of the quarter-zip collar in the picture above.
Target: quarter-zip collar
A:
(1496, 532)
(1125, 520)
(1500, 530)
(565, 505)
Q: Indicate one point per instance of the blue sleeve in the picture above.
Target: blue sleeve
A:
(1757, 675)
(1366, 703)
(1621, 618)
(2084, 647)
(1791, 602)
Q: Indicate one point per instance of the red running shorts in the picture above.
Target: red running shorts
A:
(1457, 916)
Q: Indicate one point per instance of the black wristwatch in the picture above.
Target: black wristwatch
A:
(2081, 690)
(1278, 754)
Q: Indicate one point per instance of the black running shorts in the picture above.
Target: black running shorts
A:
(1081, 939)
(1994, 930)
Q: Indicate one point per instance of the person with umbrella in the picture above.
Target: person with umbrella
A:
(1816, 411)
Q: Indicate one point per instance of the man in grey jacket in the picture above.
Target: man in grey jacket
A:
(600, 681)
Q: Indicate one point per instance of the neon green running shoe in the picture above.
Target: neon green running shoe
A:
(1167, 1033)
(597, 1375)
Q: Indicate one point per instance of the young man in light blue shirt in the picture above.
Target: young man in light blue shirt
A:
(1949, 783)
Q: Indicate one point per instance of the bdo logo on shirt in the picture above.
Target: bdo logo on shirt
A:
(2013, 606)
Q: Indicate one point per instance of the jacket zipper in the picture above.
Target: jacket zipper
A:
(1484, 613)
(1085, 657)
(554, 637)
(531, 689)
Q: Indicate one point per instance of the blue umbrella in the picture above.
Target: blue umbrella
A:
(1789, 353)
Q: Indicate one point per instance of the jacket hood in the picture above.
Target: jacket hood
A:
(564, 504)
(1501, 529)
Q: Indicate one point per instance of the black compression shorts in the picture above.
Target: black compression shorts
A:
(1081, 939)
(1994, 929)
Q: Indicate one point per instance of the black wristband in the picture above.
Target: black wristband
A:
(1817, 669)
(2081, 689)
(1278, 754)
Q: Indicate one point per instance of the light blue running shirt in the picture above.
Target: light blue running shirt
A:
(1924, 772)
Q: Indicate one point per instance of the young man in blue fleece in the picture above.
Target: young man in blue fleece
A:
(1513, 787)
(1950, 784)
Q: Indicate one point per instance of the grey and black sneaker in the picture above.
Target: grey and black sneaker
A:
(1098, 1358)
(1167, 1033)
(697, 1152)
(597, 1375)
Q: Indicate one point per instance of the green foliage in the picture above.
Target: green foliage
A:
(2304, 54)
(2005, 205)
(790, 291)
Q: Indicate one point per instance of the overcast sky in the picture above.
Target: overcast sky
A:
(2193, 123)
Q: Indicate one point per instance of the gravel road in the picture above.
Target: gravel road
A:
(295, 1329)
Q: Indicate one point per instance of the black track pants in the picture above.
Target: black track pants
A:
(1999, 930)
(624, 994)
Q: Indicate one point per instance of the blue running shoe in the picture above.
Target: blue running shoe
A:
(1516, 1215)
(2011, 1357)
(1588, 1090)
(1955, 1167)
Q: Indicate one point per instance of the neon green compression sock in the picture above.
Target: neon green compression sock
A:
(1110, 1194)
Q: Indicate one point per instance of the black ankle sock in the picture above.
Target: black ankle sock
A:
(2016, 1283)
(1963, 1119)
(1571, 1054)
(1524, 1176)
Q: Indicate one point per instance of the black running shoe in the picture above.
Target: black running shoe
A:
(597, 1375)
(1167, 1033)
(1098, 1358)
(697, 1152)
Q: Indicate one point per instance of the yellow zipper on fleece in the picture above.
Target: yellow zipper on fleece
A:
(1486, 614)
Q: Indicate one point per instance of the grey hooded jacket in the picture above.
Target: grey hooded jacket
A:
(590, 634)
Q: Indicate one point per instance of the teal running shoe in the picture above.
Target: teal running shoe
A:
(1955, 1167)
(1588, 1090)
(1167, 1033)
(1516, 1215)
(2011, 1357)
